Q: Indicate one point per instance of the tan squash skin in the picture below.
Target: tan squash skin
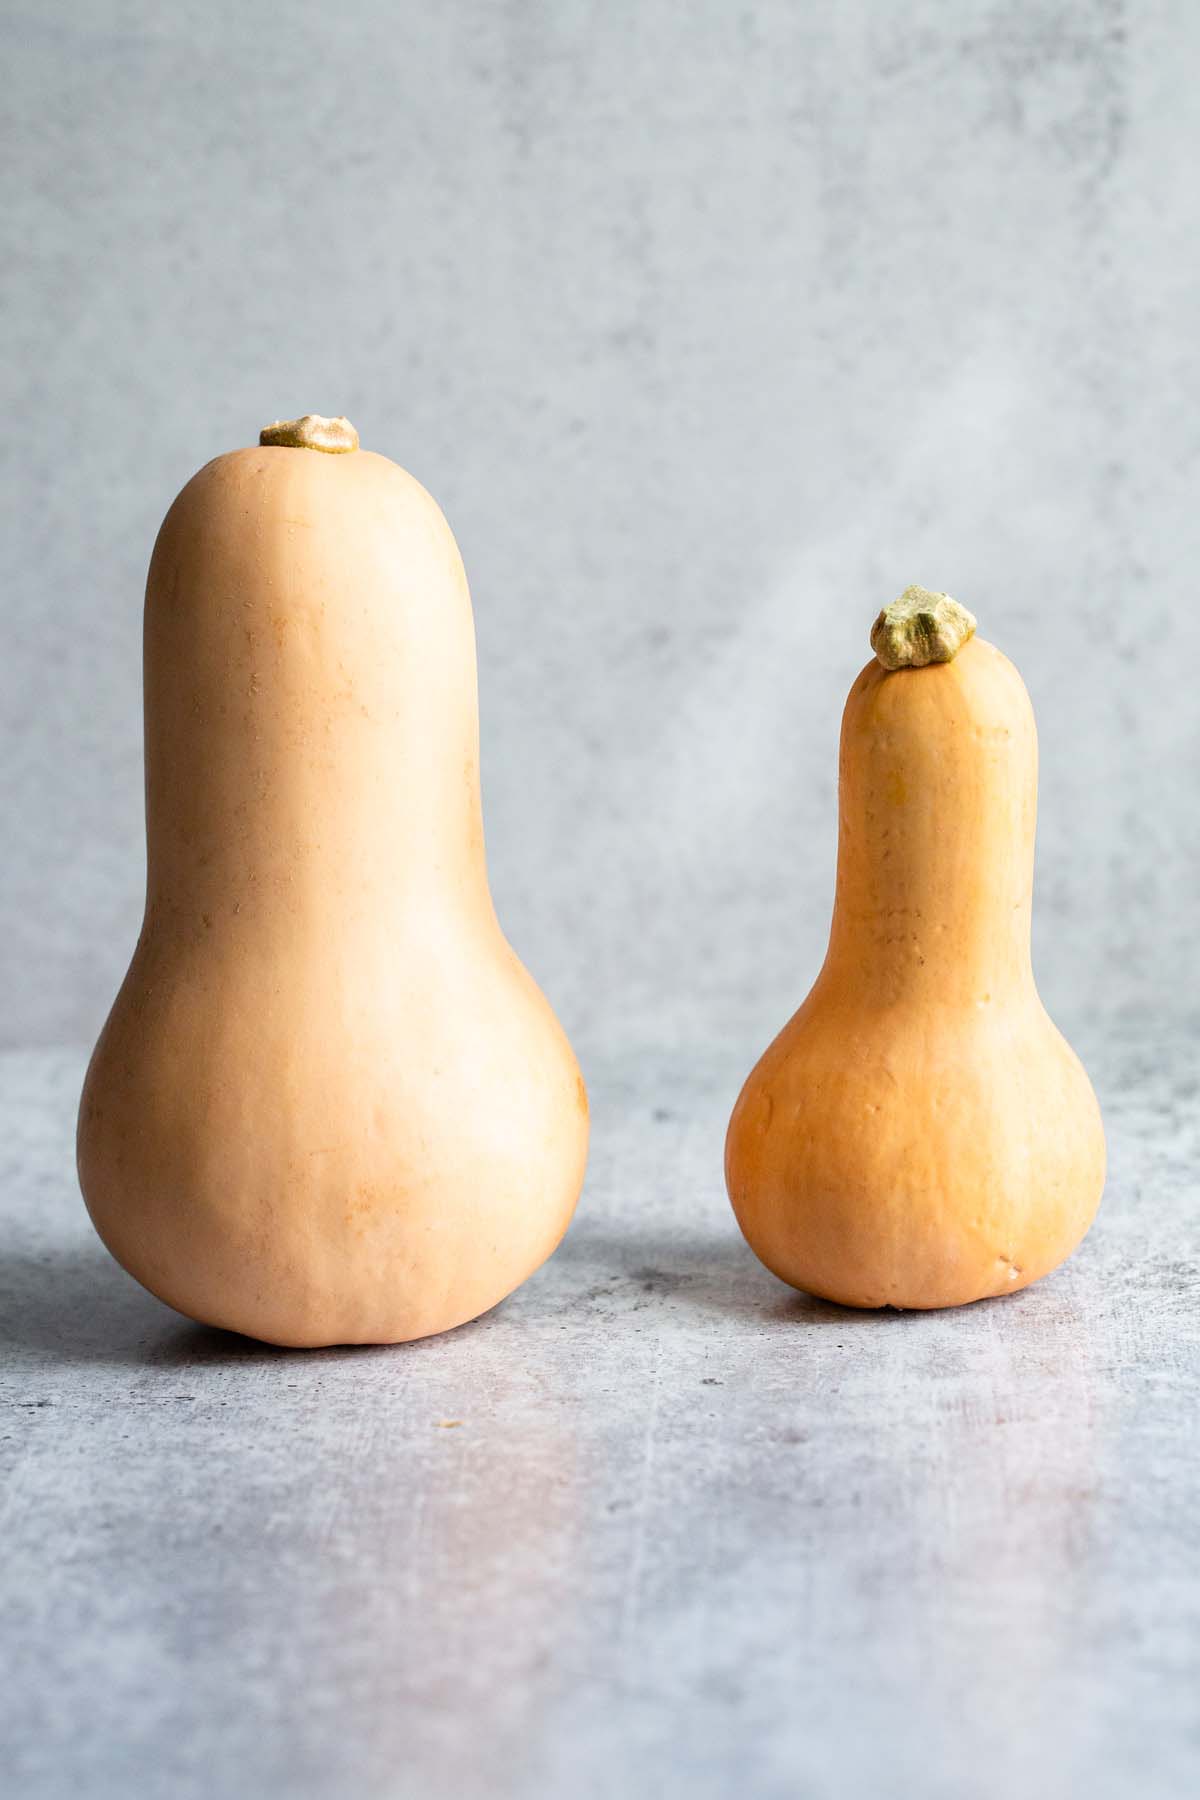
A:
(329, 1105)
(920, 1134)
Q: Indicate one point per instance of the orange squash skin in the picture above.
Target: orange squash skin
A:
(329, 1104)
(920, 1134)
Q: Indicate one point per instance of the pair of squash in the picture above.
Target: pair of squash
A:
(331, 1106)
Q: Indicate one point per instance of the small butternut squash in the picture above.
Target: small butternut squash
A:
(329, 1104)
(919, 1134)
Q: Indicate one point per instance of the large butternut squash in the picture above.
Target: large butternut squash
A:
(329, 1105)
(919, 1134)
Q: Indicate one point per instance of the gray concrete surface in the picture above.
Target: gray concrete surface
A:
(712, 327)
(655, 1528)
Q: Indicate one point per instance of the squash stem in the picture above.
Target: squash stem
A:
(312, 432)
(920, 627)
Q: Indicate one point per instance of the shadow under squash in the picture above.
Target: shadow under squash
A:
(716, 1273)
(74, 1307)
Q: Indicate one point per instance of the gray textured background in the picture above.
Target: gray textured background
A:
(711, 326)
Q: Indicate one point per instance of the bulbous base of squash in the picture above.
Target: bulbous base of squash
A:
(280, 1295)
(380, 1178)
(383, 1270)
(873, 1164)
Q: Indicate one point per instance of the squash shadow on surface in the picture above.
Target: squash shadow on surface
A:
(712, 1272)
(70, 1305)
(73, 1307)
(718, 1273)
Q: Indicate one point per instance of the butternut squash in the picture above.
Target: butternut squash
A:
(329, 1104)
(919, 1134)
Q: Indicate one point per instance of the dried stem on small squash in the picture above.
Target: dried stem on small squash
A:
(312, 432)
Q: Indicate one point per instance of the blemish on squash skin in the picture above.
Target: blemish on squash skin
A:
(361, 1207)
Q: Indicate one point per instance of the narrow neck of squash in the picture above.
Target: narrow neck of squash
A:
(928, 937)
(937, 815)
